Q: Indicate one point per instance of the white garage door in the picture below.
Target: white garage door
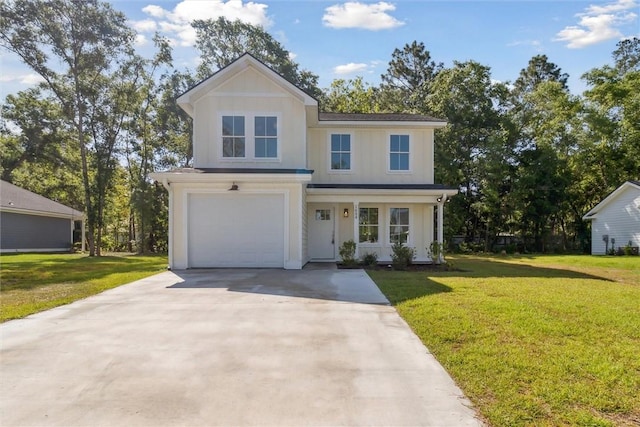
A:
(236, 230)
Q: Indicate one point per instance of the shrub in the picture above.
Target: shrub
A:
(370, 259)
(348, 252)
(435, 251)
(402, 256)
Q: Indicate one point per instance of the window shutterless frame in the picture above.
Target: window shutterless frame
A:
(249, 136)
(399, 153)
(340, 152)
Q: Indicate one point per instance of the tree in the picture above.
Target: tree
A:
(613, 120)
(72, 45)
(468, 149)
(351, 96)
(408, 79)
(539, 70)
(41, 155)
(221, 41)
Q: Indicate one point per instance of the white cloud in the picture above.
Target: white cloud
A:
(144, 26)
(176, 23)
(350, 68)
(598, 23)
(366, 16)
(141, 40)
(536, 44)
(25, 79)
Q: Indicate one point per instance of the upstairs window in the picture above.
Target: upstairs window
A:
(398, 225)
(266, 136)
(399, 153)
(340, 152)
(368, 218)
(233, 136)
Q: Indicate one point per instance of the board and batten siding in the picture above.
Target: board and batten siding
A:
(370, 156)
(620, 220)
(21, 232)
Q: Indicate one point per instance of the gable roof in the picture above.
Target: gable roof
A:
(247, 60)
(224, 74)
(597, 208)
(16, 199)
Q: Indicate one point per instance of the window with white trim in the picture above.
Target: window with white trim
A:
(340, 152)
(398, 225)
(233, 136)
(266, 136)
(368, 219)
(399, 153)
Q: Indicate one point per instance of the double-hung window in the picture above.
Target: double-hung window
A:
(233, 136)
(399, 153)
(398, 225)
(368, 219)
(340, 152)
(266, 136)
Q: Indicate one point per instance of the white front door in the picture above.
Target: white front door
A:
(321, 223)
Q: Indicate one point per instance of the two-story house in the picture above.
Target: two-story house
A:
(276, 183)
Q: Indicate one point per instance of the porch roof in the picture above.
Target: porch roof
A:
(379, 193)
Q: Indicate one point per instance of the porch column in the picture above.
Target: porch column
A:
(356, 228)
(441, 201)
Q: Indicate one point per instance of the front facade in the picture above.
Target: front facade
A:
(32, 223)
(615, 221)
(277, 184)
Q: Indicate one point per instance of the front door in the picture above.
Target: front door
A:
(321, 223)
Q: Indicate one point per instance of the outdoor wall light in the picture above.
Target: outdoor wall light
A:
(234, 187)
(345, 213)
(439, 199)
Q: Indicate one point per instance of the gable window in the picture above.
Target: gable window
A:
(368, 219)
(340, 152)
(398, 225)
(399, 153)
(266, 136)
(233, 137)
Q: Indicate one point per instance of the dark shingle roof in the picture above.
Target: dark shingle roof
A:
(241, 170)
(14, 197)
(384, 186)
(381, 117)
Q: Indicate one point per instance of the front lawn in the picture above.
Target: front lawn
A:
(532, 340)
(30, 283)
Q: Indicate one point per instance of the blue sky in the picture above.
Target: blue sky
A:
(337, 39)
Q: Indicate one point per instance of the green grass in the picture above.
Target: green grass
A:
(30, 283)
(532, 340)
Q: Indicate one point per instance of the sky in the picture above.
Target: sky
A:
(338, 39)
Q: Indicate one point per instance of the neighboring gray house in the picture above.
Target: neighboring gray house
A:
(615, 221)
(32, 223)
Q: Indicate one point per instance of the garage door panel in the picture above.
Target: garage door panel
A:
(236, 230)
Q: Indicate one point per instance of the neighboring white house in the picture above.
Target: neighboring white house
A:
(616, 218)
(276, 183)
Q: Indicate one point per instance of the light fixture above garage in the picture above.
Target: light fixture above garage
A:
(234, 187)
(345, 213)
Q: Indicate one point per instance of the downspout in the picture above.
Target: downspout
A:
(441, 202)
(167, 185)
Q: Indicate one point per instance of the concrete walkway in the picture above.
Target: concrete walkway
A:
(226, 348)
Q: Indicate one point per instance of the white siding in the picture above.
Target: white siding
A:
(620, 220)
(370, 156)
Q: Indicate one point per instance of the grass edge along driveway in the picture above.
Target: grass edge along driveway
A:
(544, 341)
(30, 283)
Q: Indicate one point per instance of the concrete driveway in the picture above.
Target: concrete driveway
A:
(226, 347)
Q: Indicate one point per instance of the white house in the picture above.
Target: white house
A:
(276, 183)
(616, 219)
